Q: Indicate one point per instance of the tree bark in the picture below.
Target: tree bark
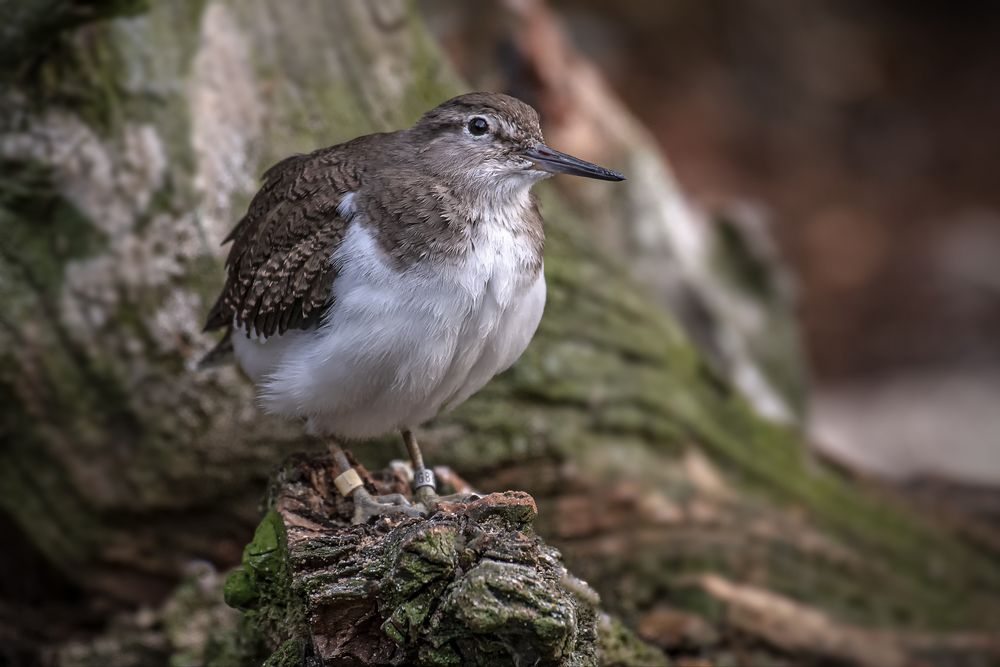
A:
(470, 585)
(131, 146)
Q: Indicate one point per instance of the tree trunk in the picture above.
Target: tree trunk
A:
(470, 585)
(129, 148)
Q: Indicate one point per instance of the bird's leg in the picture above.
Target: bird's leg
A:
(424, 484)
(349, 484)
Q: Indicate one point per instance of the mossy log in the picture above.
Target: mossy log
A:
(128, 150)
(470, 585)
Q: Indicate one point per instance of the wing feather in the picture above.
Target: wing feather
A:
(278, 272)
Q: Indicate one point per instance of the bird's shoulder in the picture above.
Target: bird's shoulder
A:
(278, 271)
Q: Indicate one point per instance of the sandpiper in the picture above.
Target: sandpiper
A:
(375, 283)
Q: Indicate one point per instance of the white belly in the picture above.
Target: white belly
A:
(398, 347)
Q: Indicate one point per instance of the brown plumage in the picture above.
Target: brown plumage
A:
(413, 188)
(411, 264)
(278, 270)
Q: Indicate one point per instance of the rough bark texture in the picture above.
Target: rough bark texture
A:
(471, 585)
(130, 147)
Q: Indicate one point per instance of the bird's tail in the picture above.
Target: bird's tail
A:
(220, 355)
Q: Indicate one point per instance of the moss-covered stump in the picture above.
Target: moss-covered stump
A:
(470, 585)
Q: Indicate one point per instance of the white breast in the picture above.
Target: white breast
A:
(398, 346)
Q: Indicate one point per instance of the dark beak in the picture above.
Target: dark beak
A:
(555, 162)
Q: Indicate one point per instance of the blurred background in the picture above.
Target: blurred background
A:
(792, 409)
(865, 134)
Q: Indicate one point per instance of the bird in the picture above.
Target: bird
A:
(376, 283)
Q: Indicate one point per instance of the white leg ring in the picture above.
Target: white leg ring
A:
(347, 481)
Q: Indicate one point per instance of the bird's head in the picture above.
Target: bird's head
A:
(494, 141)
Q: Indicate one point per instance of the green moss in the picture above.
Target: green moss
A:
(291, 653)
(423, 567)
(264, 557)
(262, 588)
(240, 591)
(493, 603)
(507, 601)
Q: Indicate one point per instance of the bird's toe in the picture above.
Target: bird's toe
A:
(367, 506)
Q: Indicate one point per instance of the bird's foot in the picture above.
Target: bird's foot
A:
(367, 506)
(436, 502)
(429, 498)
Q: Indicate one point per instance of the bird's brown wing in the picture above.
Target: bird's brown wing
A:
(279, 274)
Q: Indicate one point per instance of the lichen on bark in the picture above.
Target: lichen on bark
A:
(470, 585)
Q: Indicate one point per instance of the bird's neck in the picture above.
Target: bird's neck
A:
(468, 190)
(504, 201)
(444, 218)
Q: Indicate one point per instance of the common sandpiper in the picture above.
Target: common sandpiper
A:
(375, 283)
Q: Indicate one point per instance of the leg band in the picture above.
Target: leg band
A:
(347, 481)
(424, 477)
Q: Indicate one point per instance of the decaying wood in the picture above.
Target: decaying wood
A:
(471, 585)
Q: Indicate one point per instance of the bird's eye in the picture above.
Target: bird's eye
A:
(478, 126)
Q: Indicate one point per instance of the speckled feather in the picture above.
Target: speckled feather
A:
(278, 270)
